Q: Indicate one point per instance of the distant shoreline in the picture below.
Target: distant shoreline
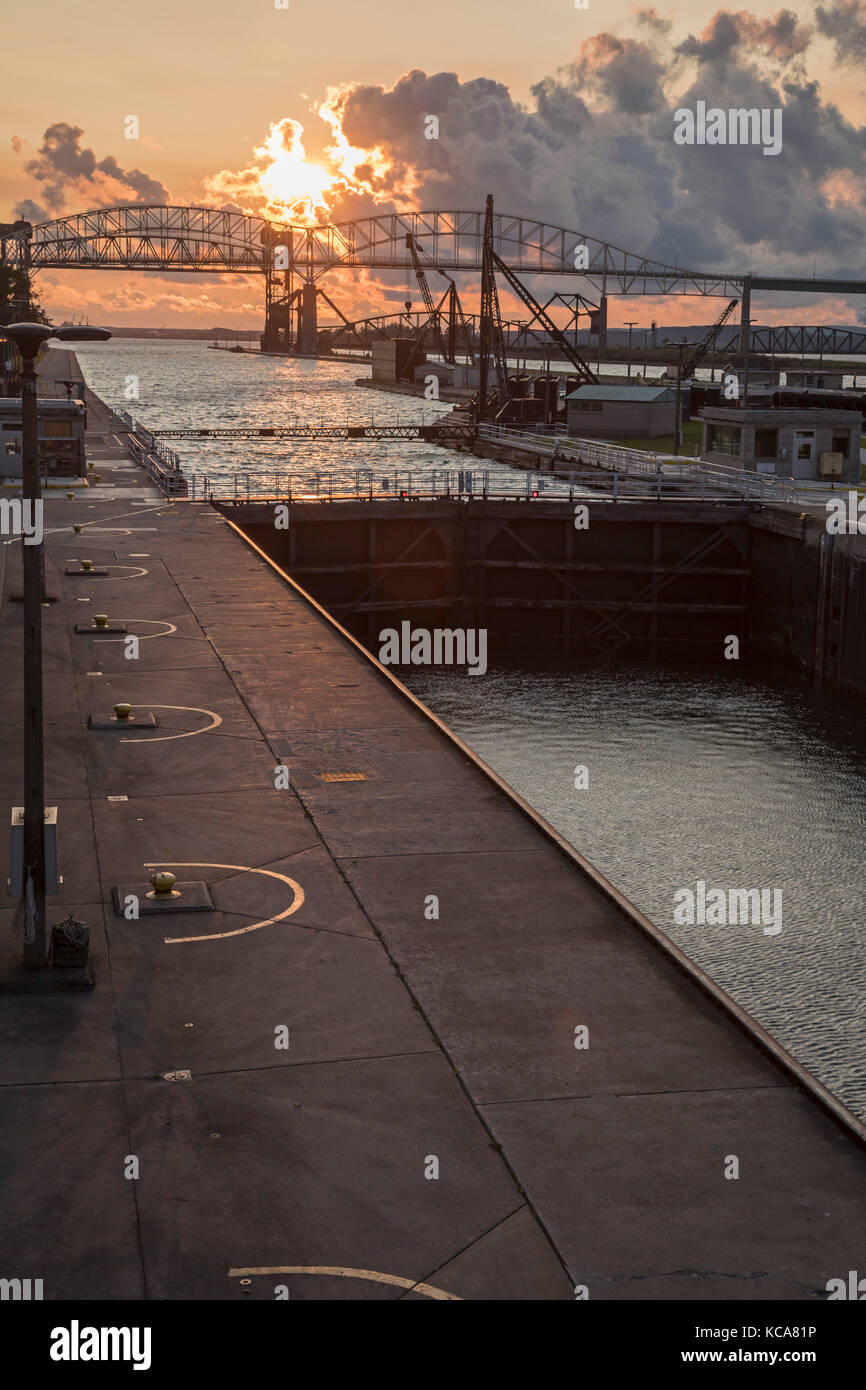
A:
(189, 334)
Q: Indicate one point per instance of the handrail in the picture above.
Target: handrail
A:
(620, 458)
(464, 485)
(161, 463)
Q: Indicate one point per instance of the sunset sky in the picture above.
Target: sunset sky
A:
(564, 114)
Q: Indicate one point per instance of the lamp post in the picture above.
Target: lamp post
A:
(679, 347)
(629, 325)
(28, 338)
(748, 345)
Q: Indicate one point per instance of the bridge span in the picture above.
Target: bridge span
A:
(163, 238)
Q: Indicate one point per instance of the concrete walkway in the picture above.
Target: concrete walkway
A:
(416, 1045)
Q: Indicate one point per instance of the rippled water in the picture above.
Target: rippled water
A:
(740, 784)
(737, 783)
(188, 385)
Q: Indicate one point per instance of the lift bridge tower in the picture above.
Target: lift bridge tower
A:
(291, 319)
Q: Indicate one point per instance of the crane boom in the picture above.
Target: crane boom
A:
(585, 373)
(691, 365)
(432, 310)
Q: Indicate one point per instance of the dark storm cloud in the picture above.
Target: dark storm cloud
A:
(30, 211)
(625, 74)
(148, 190)
(62, 165)
(729, 33)
(594, 149)
(845, 22)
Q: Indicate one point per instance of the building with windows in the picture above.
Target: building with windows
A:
(810, 443)
(60, 433)
(822, 380)
(621, 412)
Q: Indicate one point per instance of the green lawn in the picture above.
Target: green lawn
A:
(664, 443)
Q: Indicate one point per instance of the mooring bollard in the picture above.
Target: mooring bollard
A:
(163, 885)
(100, 619)
(122, 710)
(87, 564)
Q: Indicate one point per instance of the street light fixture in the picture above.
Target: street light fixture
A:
(28, 339)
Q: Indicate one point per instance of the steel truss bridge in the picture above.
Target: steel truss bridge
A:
(145, 238)
(159, 239)
(793, 341)
(806, 341)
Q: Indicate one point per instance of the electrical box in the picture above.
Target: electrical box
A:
(830, 465)
(16, 854)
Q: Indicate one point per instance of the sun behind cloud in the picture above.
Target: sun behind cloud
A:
(283, 184)
(289, 181)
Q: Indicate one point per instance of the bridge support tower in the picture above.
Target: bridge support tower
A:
(308, 330)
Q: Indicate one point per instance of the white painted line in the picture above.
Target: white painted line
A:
(216, 719)
(337, 1271)
(139, 568)
(145, 637)
(297, 901)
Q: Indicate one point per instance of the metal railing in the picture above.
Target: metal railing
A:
(152, 442)
(613, 457)
(602, 470)
(695, 475)
(402, 486)
(160, 463)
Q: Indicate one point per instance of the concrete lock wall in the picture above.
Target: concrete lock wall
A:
(807, 598)
(663, 582)
(523, 572)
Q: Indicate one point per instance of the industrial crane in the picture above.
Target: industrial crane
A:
(491, 325)
(692, 363)
(586, 375)
(455, 316)
(433, 310)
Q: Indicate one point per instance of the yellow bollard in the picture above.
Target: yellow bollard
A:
(163, 885)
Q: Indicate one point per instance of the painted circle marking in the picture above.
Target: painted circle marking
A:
(139, 568)
(145, 637)
(297, 899)
(215, 718)
(339, 1272)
